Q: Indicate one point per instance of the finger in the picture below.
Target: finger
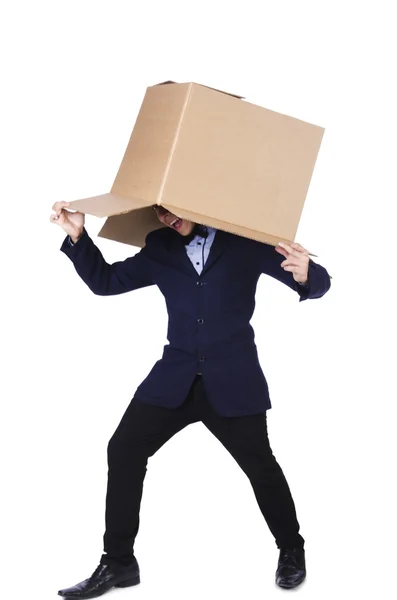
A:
(281, 251)
(58, 205)
(302, 259)
(299, 248)
(62, 211)
(292, 262)
(59, 215)
(294, 269)
(290, 250)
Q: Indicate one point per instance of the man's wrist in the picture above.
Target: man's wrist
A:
(303, 283)
(75, 239)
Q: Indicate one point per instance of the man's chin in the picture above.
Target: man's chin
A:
(186, 229)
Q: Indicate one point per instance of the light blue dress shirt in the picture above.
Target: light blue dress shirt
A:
(199, 249)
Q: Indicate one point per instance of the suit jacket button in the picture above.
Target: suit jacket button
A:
(201, 321)
(201, 359)
(200, 283)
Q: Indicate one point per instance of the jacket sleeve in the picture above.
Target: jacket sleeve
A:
(106, 279)
(319, 281)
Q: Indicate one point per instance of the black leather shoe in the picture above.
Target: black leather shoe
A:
(103, 579)
(291, 569)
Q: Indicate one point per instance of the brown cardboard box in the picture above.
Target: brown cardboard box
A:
(212, 158)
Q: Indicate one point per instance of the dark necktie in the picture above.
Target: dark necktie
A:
(200, 230)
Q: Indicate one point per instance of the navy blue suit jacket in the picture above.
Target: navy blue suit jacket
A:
(209, 314)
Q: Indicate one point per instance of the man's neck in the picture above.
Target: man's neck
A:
(200, 230)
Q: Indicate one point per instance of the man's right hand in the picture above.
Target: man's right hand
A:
(71, 222)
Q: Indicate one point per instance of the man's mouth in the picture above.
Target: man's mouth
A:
(175, 223)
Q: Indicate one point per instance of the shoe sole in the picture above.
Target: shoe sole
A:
(129, 582)
(290, 587)
(123, 584)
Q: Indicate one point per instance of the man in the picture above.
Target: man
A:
(209, 372)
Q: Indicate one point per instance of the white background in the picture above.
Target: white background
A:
(73, 78)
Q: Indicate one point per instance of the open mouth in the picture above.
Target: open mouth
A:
(175, 223)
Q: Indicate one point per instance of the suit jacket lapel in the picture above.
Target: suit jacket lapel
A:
(217, 249)
(177, 256)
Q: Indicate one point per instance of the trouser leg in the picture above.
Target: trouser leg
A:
(143, 429)
(246, 438)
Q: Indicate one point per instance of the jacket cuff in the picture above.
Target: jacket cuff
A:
(303, 289)
(319, 282)
(70, 248)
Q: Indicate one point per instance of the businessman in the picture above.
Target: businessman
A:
(209, 372)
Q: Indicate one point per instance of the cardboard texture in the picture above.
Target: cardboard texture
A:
(213, 158)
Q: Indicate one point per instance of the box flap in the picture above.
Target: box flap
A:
(106, 205)
(131, 228)
(166, 82)
(206, 86)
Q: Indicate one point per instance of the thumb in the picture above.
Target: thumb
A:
(56, 219)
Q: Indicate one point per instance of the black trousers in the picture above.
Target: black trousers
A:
(144, 428)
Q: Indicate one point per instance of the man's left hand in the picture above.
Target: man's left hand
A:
(297, 260)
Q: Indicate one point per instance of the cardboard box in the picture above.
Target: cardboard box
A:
(214, 159)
